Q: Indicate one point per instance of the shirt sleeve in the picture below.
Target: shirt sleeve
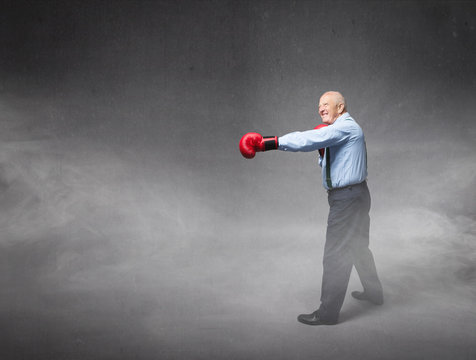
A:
(312, 140)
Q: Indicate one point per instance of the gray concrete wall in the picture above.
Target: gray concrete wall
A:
(132, 228)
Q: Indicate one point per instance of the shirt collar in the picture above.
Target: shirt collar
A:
(342, 117)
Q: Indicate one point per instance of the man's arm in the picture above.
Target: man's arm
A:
(312, 140)
(304, 141)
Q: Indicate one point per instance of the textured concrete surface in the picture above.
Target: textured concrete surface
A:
(132, 228)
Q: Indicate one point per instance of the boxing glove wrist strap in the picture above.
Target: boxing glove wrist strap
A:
(270, 143)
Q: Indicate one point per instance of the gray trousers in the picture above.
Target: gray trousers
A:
(347, 245)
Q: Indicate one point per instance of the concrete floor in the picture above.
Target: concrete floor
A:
(216, 305)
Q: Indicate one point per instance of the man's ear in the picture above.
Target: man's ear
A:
(340, 108)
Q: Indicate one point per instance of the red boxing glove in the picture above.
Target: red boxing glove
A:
(250, 143)
(321, 151)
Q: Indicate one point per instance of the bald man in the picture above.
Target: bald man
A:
(344, 174)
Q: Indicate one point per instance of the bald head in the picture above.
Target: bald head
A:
(338, 98)
(331, 106)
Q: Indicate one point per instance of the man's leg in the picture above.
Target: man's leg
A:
(338, 260)
(337, 266)
(362, 256)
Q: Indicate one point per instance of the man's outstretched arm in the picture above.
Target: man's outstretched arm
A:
(306, 141)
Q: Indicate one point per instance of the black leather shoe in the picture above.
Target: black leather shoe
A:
(314, 319)
(362, 295)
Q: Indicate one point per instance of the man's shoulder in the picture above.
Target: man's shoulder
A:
(346, 121)
(349, 126)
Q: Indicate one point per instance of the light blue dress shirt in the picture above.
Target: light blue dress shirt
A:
(348, 153)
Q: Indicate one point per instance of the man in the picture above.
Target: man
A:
(344, 173)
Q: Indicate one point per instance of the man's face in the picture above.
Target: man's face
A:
(328, 109)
